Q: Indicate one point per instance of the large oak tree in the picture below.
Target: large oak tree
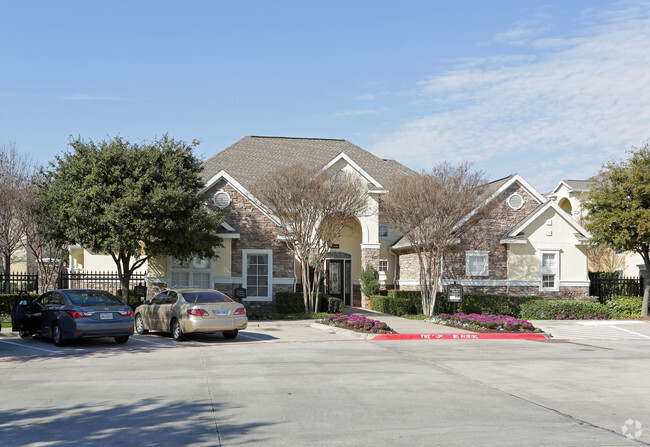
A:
(130, 201)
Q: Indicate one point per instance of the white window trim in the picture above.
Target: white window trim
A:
(387, 266)
(546, 271)
(190, 269)
(244, 264)
(470, 253)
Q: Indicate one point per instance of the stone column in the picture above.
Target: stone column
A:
(369, 255)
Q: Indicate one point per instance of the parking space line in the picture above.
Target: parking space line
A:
(152, 342)
(31, 347)
(254, 338)
(631, 332)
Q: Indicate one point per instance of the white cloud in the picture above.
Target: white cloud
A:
(579, 103)
(355, 113)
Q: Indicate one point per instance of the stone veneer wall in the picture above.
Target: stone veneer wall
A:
(486, 236)
(256, 231)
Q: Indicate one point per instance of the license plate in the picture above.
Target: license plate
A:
(105, 315)
(221, 313)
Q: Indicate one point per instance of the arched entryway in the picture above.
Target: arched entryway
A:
(343, 265)
(565, 204)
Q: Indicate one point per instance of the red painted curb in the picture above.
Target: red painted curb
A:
(489, 336)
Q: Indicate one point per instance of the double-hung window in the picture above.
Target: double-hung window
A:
(476, 263)
(257, 272)
(549, 270)
(383, 266)
(195, 273)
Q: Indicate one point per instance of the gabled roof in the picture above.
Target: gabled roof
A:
(581, 232)
(252, 157)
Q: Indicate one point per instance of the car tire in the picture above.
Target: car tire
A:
(177, 332)
(230, 334)
(139, 325)
(57, 336)
(24, 334)
(121, 339)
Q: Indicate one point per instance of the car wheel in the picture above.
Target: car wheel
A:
(24, 334)
(230, 334)
(177, 333)
(57, 336)
(121, 339)
(139, 325)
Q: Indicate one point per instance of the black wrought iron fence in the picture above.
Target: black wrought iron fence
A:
(109, 281)
(605, 288)
(15, 282)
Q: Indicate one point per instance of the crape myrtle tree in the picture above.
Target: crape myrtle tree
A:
(49, 257)
(130, 201)
(619, 208)
(312, 208)
(432, 211)
(16, 170)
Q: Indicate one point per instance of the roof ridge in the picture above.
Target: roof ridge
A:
(296, 138)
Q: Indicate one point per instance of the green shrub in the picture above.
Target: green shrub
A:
(549, 309)
(393, 306)
(290, 302)
(369, 281)
(624, 307)
(334, 305)
(494, 304)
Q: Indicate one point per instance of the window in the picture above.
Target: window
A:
(196, 273)
(384, 231)
(476, 263)
(549, 270)
(257, 272)
(383, 265)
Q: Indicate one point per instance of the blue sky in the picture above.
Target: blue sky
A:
(548, 89)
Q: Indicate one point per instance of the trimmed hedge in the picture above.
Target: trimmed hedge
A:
(624, 307)
(289, 302)
(549, 309)
(293, 303)
(472, 303)
(392, 306)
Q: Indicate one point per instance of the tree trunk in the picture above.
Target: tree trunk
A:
(7, 272)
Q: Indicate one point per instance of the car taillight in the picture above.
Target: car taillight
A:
(74, 314)
(126, 313)
(197, 312)
(240, 311)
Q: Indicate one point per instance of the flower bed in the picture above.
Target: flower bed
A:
(357, 323)
(483, 322)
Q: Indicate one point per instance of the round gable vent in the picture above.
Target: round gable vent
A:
(515, 201)
(221, 199)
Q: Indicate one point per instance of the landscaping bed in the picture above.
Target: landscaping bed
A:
(484, 323)
(357, 323)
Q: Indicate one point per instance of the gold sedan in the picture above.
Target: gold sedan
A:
(186, 311)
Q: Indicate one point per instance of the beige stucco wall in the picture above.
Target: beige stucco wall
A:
(223, 264)
(524, 260)
(350, 242)
(81, 258)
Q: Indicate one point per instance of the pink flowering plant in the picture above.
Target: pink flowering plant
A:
(483, 322)
(357, 323)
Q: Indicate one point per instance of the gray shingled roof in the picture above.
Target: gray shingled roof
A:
(252, 157)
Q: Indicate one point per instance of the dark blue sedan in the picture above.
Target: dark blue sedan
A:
(68, 314)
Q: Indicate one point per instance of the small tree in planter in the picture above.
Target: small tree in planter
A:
(369, 281)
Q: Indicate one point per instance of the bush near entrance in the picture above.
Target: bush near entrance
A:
(293, 303)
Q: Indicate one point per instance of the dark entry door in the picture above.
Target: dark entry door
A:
(338, 280)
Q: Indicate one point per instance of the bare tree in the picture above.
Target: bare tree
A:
(432, 211)
(603, 258)
(15, 173)
(48, 256)
(312, 208)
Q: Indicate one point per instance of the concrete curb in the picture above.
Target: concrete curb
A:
(472, 336)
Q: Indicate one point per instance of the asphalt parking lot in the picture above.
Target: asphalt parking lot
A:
(288, 384)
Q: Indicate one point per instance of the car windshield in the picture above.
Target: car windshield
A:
(205, 297)
(90, 297)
